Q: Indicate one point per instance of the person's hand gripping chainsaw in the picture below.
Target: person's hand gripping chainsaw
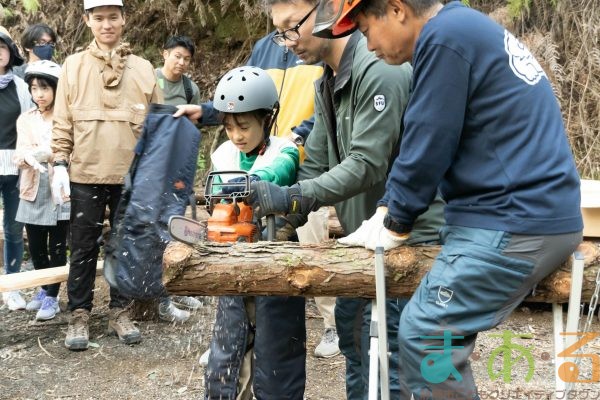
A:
(267, 198)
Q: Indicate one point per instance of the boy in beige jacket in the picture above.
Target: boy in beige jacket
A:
(101, 102)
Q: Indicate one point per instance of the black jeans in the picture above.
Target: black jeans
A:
(48, 248)
(88, 207)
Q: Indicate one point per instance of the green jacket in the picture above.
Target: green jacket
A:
(369, 98)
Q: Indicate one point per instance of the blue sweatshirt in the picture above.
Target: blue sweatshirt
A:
(484, 126)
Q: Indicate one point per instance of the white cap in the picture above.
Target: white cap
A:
(87, 4)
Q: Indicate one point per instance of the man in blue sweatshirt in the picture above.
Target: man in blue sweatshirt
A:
(498, 152)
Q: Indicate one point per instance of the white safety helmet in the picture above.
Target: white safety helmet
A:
(44, 69)
(246, 89)
(87, 4)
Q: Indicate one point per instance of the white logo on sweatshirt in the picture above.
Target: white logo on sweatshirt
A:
(521, 61)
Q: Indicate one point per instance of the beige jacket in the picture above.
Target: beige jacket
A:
(30, 127)
(101, 102)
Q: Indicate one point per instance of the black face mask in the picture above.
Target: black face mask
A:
(44, 51)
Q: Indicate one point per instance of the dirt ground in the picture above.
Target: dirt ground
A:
(34, 364)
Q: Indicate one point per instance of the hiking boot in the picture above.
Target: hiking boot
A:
(120, 323)
(329, 344)
(186, 302)
(168, 312)
(77, 332)
(36, 302)
(13, 300)
(48, 310)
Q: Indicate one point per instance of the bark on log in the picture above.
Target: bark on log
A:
(327, 269)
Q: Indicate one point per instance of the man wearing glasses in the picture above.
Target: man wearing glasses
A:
(358, 112)
(39, 41)
(292, 34)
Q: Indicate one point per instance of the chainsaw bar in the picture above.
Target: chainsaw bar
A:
(186, 230)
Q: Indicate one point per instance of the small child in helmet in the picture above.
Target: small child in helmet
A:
(264, 334)
(45, 222)
(248, 102)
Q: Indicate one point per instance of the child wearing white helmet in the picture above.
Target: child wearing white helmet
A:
(245, 328)
(247, 99)
(46, 223)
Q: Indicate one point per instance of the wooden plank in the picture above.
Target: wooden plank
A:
(29, 279)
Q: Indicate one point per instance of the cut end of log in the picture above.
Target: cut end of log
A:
(561, 288)
(590, 252)
(176, 257)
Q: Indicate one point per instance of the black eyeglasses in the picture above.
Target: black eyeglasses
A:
(291, 34)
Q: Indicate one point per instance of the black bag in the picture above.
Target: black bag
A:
(159, 184)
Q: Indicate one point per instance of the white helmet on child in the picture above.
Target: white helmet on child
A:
(44, 69)
(246, 89)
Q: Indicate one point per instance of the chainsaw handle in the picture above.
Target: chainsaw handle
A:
(271, 227)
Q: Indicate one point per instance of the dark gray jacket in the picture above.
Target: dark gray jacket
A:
(357, 136)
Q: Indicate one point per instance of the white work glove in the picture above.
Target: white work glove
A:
(372, 234)
(61, 186)
(43, 154)
(31, 160)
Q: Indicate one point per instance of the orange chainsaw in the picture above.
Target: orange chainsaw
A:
(231, 217)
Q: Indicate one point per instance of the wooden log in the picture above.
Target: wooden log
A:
(30, 279)
(327, 269)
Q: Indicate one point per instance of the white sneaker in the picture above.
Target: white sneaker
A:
(329, 344)
(168, 312)
(187, 302)
(203, 361)
(13, 300)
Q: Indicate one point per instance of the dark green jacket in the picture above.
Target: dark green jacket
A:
(354, 140)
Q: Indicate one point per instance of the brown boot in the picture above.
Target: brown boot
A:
(120, 323)
(77, 332)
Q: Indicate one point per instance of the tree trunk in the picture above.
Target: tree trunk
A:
(327, 269)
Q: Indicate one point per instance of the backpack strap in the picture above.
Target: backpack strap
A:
(187, 87)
